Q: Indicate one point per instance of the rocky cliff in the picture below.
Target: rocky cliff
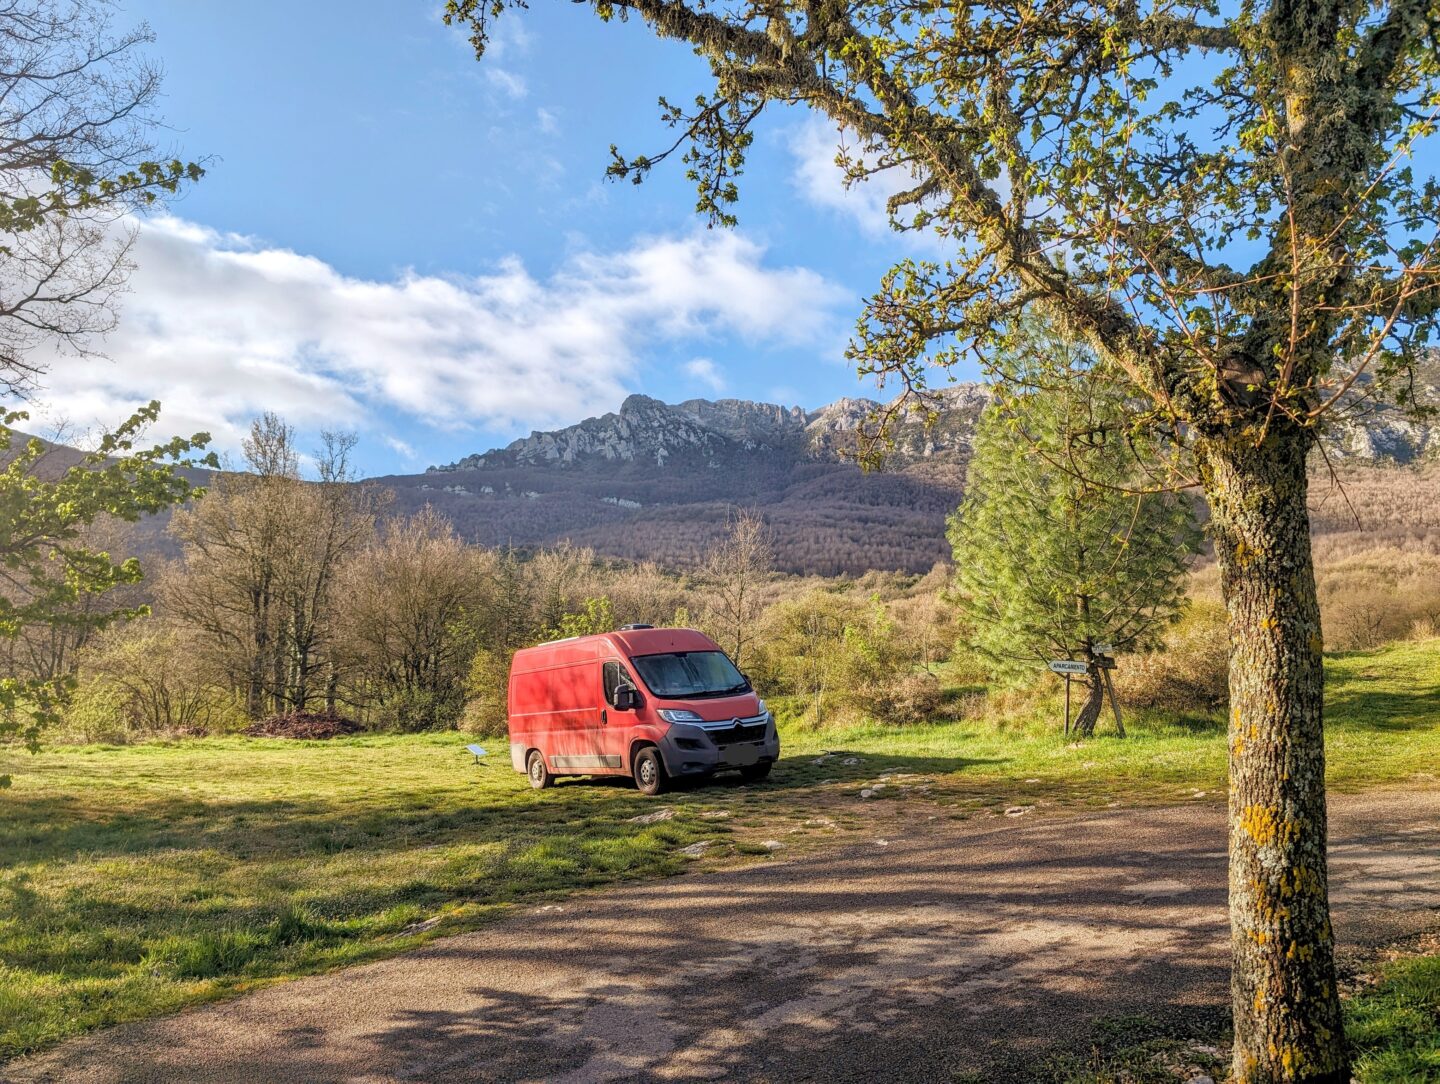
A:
(645, 430)
(657, 480)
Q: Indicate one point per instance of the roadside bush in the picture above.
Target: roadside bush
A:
(1189, 672)
(304, 726)
(842, 659)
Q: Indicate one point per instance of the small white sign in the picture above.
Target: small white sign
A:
(1102, 649)
(1069, 666)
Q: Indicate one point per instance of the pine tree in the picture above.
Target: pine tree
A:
(1055, 549)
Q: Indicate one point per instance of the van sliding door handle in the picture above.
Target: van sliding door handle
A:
(604, 717)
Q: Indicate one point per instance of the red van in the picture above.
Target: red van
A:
(654, 704)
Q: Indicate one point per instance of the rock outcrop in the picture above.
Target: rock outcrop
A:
(724, 431)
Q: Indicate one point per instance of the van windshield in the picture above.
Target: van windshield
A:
(688, 674)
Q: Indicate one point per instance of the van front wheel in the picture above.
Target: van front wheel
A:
(649, 771)
(755, 772)
(540, 776)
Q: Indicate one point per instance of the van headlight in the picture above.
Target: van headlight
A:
(763, 709)
(679, 715)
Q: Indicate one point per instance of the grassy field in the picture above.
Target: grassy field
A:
(135, 880)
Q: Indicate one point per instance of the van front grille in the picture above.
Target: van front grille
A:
(730, 735)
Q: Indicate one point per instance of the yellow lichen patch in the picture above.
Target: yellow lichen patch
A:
(1261, 823)
(1291, 1060)
(1301, 881)
(1267, 909)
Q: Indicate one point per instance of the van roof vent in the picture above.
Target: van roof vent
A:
(632, 628)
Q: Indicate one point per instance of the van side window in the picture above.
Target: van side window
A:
(615, 674)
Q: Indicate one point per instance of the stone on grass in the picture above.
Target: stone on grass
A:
(653, 818)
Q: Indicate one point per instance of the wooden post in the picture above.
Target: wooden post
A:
(1067, 705)
(1114, 703)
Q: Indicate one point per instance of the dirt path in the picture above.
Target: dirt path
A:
(939, 954)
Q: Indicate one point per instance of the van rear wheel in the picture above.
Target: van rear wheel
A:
(540, 776)
(649, 771)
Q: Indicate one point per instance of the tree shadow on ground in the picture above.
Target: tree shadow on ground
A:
(801, 773)
(1391, 711)
(902, 965)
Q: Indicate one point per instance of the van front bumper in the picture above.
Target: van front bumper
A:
(688, 749)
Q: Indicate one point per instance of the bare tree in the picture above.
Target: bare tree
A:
(76, 157)
(408, 607)
(261, 553)
(734, 570)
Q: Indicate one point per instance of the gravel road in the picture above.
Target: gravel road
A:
(947, 951)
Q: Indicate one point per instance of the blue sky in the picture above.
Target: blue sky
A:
(396, 239)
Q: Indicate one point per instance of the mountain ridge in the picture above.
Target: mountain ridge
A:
(647, 427)
(657, 481)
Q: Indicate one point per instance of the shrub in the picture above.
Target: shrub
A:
(412, 710)
(142, 680)
(1188, 672)
(910, 698)
(486, 690)
(1377, 596)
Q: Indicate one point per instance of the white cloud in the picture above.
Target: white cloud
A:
(705, 371)
(220, 328)
(399, 446)
(549, 123)
(814, 145)
(512, 85)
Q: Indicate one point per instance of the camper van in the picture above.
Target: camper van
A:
(653, 704)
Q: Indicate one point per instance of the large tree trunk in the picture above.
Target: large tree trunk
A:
(1286, 1004)
(1094, 704)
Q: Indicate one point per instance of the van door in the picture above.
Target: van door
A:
(574, 721)
(617, 727)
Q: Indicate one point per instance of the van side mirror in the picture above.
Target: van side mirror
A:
(625, 698)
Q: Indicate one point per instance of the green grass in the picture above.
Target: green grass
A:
(1393, 1027)
(135, 880)
(1382, 726)
(1395, 1024)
